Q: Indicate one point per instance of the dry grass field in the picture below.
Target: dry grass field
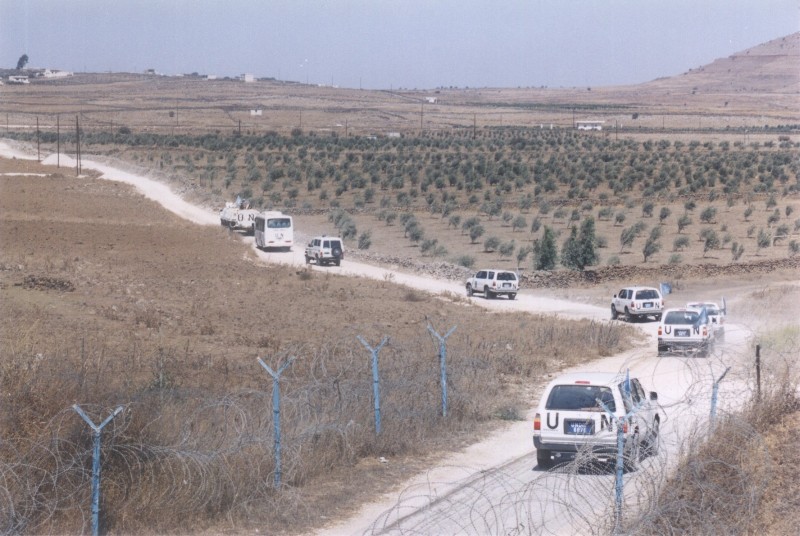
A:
(109, 300)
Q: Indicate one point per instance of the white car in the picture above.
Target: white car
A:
(494, 283)
(571, 421)
(686, 332)
(716, 317)
(637, 303)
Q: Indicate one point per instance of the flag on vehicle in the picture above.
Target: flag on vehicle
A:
(702, 318)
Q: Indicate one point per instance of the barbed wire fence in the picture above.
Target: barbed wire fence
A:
(701, 480)
(183, 458)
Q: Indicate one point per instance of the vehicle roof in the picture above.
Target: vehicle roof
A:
(635, 287)
(495, 270)
(594, 378)
(682, 310)
(701, 304)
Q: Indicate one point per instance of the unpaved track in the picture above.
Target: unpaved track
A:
(491, 486)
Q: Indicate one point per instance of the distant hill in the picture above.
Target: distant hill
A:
(772, 67)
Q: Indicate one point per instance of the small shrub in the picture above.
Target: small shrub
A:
(467, 261)
(675, 258)
(365, 240)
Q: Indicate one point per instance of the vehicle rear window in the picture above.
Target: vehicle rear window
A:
(580, 398)
(681, 317)
(279, 223)
(506, 276)
(646, 295)
(710, 309)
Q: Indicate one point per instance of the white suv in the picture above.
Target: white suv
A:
(494, 283)
(637, 302)
(325, 250)
(685, 332)
(571, 422)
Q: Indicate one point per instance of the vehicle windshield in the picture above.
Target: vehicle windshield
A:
(681, 317)
(646, 295)
(580, 398)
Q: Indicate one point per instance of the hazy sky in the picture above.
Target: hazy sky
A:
(393, 43)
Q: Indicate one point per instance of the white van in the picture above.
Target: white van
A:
(274, 230)
(570, 419)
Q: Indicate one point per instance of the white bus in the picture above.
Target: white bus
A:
(274, 230)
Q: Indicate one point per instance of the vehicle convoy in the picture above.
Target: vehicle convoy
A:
(238, 215)
(686, 332)
(637, 303)
(274, 230)
(716, 317)
(580, 414)
(325, 250)
(492, 283)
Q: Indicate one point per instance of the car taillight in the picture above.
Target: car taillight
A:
(659, 331)
(624, 427)
(633, 305)
(705, 331)
(537, 423)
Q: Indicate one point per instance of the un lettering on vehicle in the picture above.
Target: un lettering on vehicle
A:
(605, 422)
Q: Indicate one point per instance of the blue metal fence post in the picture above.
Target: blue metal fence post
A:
(443, 363)
(276, 413)
(618, 483)
(97, 430)
(714, 394)
(620, 465)
(375, 380)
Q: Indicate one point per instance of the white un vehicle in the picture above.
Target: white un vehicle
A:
(572, 424)
(685, 332)
(637, 303)
(238, 215)
(274, 230)
(493, 283)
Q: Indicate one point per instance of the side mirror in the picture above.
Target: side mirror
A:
(653, 396)
(615, 295)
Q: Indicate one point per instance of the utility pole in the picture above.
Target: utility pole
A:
(58, 141)
(77, 147)
(38, 146)
(421, 106)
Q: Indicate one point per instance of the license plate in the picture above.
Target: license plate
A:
(648, 305)
(681, 332)
(506, 285)
(579, 427)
